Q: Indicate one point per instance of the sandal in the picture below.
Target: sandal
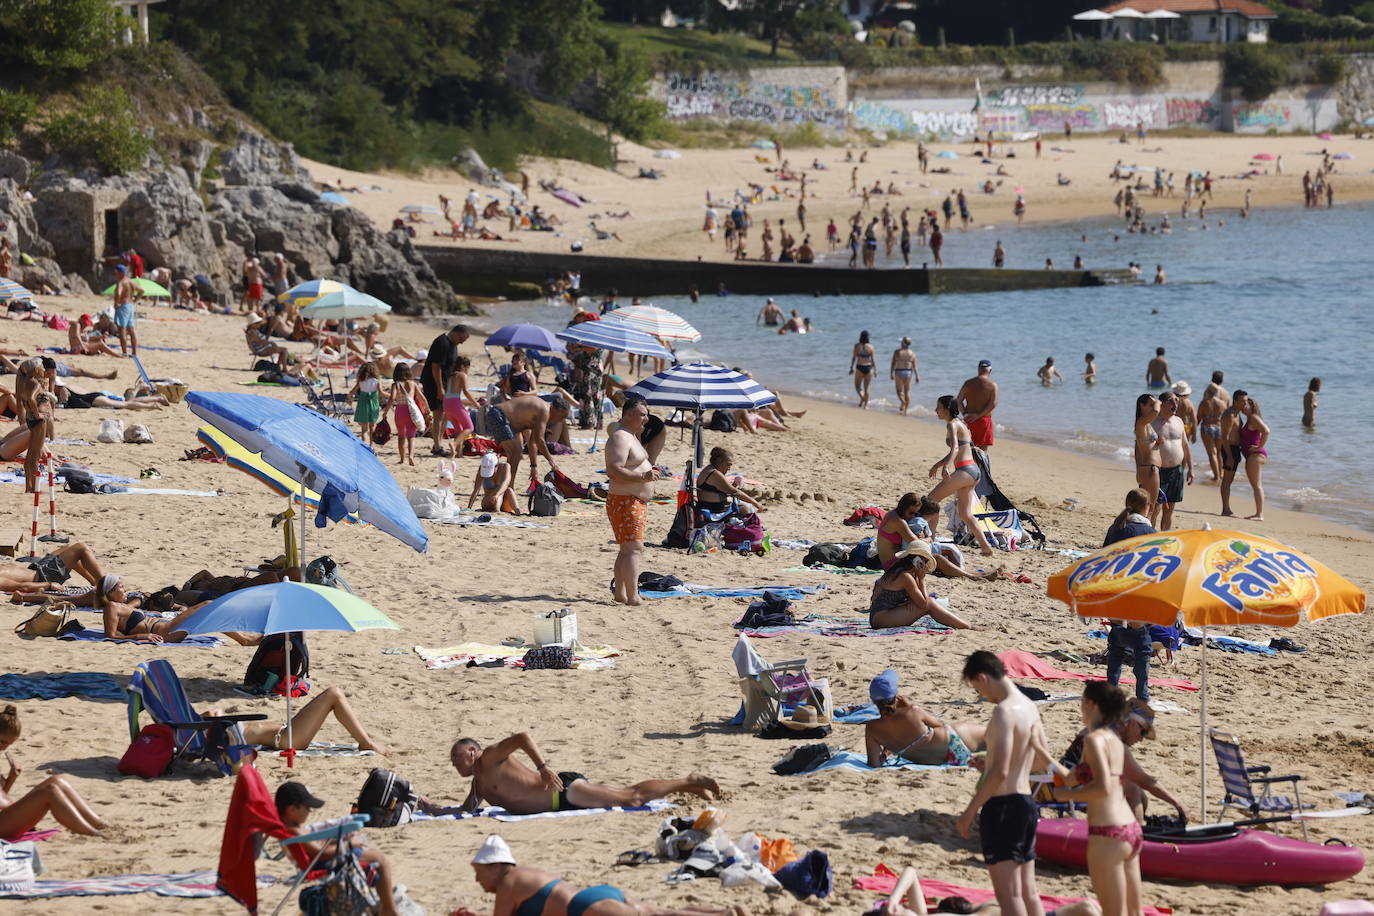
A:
(634, 857)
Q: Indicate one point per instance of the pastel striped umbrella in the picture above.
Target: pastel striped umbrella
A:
(615, 336)
(307, 292)
(12, 292)
(654, 321)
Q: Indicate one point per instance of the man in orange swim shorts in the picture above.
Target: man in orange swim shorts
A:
(632, 486)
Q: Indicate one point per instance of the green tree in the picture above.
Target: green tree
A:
(55, 36)
(620, 99)
(99, 131)
(17, 107)
(1254, 69)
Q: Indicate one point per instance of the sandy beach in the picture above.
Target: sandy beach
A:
(665, 215)
(663, 709)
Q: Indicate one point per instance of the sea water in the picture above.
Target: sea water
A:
(1272, 300)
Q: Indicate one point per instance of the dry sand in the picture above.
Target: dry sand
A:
(662, 711)
(666, 214)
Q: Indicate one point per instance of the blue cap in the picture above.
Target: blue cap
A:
(984, 364)
(120, 268)
(883, 688)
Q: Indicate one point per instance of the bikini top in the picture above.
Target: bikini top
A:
(519, 382)
(1083, 773)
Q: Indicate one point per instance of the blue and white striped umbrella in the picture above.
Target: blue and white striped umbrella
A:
(703, 386)
(12, 292)
(619, 338)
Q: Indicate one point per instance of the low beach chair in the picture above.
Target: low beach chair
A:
(1241, 783)
(767, 688)
(155, 687)
(328, 402)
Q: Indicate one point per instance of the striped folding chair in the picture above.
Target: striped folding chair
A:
(1241, 782)
(156, 689)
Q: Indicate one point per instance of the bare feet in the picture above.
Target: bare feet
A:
(1228, 513)
(1255, 518)
(375, 748)
(114, 373)
(703, 786)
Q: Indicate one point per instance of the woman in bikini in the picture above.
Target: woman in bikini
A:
(1147, 452)
(717, 492)
(1114, 835)
(124, 621)
(53, 795)
(1253, 437)
(519, 380)
(904, 373)
(861, 367)
(493, 485)
(899, 596)
(1209, 427)
(959, 472)
(306, 724)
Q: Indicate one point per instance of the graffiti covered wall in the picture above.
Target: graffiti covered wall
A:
(790, 96)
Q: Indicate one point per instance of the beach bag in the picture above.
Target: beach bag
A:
(768, 611)
(151, 753)
(343, 892)
(264, 674)
(554, 657)
(827, 555)
(58, 323)
(744, 532)
(386, 799)
(79, 480)
(431, 503)
(811, 877)
(546, 500)
(49, 620)
(381, 433)
(111, 430)
(677, 532)
(138, 435)
(418, 419)
(566, 485)
(802, 759)
(721, 422)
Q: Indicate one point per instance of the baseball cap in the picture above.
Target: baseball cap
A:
(883, 688)
(120, 268)
(296, 793)
(984, 364)
(86, 321)
(494, 851)
(488, 464)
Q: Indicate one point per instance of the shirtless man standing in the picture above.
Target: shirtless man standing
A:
(978, 399)
(1016, 742)
(125, 315)
(507, 420)
(1229, 445)
(911, 733)
(254, 275)
(1047, 373)
(1175, 457)
(632, 486)
(500, 779)
(1157, 372)
(770, 314)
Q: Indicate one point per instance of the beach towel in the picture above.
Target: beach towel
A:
(501, 814)
(186, 884)
(323, 749)
(1025, 665)
(92, 634)
(835, 570)
(483, 654)
(688, 590)
(486, 520)
(31, 836)
(91, 684)
(848, 760)
(842, 627)
(151, 491)
(17, 476)
(884, 879)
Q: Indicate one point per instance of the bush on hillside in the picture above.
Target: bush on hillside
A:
(1253, 69)
(100, 131)
(55, 36)
(17, 107)
(619, 102)
(1329, 69)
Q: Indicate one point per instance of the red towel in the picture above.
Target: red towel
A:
(884, 880)
(251, 811)
(1026, 665)
(873, 512)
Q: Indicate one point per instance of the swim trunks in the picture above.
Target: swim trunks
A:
(1158, 384)
(255, 291)
(498, 425)
(560, 799)
(958, 754)
(457, 414)
(1231, 457)
(584, 899)
(1007, 825)
(1171, 483)
(981, 431)
(124, 315)
(629, 516)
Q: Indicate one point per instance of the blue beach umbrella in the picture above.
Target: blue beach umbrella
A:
(700, 387)
(620, 338)
(526, 337)
(947, 154)
(319, 453)
(341, 305)
(13, 292)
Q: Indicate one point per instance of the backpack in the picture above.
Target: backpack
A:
(721, 422)
(801, 759)
(381, 433)
(546, 500)
(827, 555)
(266, 365)
(386, 799)
(151, 752)
(264, 672)
(677, 532)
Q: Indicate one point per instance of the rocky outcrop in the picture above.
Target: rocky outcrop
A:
(172, 217)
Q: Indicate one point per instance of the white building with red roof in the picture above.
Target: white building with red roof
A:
(1187, 20)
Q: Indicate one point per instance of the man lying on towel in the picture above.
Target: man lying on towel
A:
(500, 779)
(914, 735)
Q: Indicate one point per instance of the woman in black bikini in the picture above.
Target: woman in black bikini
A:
(861, 364)
(123, 621)
(899, 595)
(1147, 452)
(715, 491)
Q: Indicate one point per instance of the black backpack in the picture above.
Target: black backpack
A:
(801, 759)
(386, 799)
(546, 500)
(722, 422)
(79, 480)
(677, 532)
(270, 658)
(827, 555)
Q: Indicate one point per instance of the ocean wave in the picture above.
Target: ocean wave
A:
(1300, 495)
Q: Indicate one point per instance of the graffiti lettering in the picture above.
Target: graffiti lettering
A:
(715, 96)
(952, 123)
(999, 122)
(1191, 112)
(877, 116)
(1053, 117)
(1261, 114)
(686, 105)
(1129, 114)
(1016, 96)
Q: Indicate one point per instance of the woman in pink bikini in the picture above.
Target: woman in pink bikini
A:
(959, 471)
(1114, 835)
(1254, 434)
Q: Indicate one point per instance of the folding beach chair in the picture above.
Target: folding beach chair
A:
(767, 688)
(327, 402)
(547, 361)
(1240, 782)
(155, 687)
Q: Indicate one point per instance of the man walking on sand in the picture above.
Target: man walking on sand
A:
(125, 315)
(1007, 814)
(977, 400)
(632, 486)
(1175, 457)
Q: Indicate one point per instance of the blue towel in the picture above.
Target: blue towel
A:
(789, 593)
(91, 634)
(848, 760)
(51, 686)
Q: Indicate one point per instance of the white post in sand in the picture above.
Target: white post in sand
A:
(300, 548)
(1202, 743)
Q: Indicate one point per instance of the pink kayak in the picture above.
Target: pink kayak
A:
(1232, 857)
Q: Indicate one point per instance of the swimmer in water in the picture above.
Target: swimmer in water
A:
(1309, 404)
(1047, 373)
(1089, 369)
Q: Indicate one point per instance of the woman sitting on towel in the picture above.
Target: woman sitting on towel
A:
(123, 621)
(306, 724)
(716, 492)
(493, 485)
(899, 596)
(53, 795)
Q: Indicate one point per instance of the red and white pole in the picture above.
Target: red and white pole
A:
(52, 505)
(33, 534)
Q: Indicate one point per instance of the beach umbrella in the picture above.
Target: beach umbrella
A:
(1208, 578)
(12, 292)
(1343, 156)
(333, 197)
(341, 305)
(614, 336)
(526, 337)
(145, 286)
(317, 452)
(250, 463)
(1092, 16)
(763, 144)
(1268, 157)
(307, 292)
(654, 321)
(700, 387)
(287, 607)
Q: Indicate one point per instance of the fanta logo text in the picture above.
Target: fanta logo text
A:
(1254, 579)
(1150, 564)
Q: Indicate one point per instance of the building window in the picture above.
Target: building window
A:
(1211, 23)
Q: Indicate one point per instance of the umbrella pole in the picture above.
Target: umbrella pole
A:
(1202, 740)
(698, 445)
(301, 545)
(290, 751)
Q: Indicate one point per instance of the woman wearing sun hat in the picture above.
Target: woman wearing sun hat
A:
(899, 596)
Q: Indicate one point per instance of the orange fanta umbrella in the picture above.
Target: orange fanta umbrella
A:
(1207, 578)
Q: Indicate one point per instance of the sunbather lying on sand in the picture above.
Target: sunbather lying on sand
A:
(56, 567)
(53, 795)
(907, 899)
(525, 891)
(914, 735)
(123, 621)
(72, 399)
(500, 779)
(306, 724)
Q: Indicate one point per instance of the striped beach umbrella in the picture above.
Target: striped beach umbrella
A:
(12, 292)
(654, 321)
(614, 336)
(703, 386)
(307, 292)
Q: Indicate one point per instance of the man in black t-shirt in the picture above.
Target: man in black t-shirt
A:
(439, 364)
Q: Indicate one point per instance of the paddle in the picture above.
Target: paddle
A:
(1277, 819)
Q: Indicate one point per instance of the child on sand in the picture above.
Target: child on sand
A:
(454, 407)
(367, 391)
(403, 397)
